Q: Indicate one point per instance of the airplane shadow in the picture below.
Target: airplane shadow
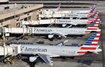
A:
(31, 64)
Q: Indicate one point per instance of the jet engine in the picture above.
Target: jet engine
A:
(32, 59)
(50, 36)
(35, 59)
(63, 25)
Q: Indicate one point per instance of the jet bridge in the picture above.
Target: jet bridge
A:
(53, 21)
(44, 12)
(37, 22)
(8, 50)
(27, 30)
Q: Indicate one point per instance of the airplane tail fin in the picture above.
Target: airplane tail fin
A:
(92, 12)
(93, 26)
(58, 8)
(93, 40)
(93, 18)
(92, 8)
(91, 44)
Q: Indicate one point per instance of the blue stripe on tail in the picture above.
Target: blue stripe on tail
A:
(92, 6)
(92, 25)
(58, 6)
(91, 39)
(92, 10)
(93, 15)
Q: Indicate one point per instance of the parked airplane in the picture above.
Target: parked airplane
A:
(61, 32)
(81, 15)
(57, 9)
(84, 11)
(47, 14)
(45, 52)
(64, 22)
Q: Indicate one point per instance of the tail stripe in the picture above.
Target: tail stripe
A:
(59, 7)
(93, 23)
(91, 12)
(93, 40)
(87, 31)
(81, 52)
(93, 26)
(88, 48)
(91, 44)
(94, 14)
(92, 7)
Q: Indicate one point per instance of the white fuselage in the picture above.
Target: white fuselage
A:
(54, 50)
(63, 31)
(79, 15)
(47, 49)
(81, 11)
(72, 21)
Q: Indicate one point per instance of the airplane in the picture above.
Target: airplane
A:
(81, 15)
(64, 21)
(57, 9)
(84, 11)
(62, 32)
(46, 52)
(75, 22)
(47, 14)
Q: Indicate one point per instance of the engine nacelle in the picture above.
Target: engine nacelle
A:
(32, 59)
(63, 25)
(50, 36)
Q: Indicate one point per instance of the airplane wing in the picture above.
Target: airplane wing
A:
(46, 58)
(68, 26)
(60, 43)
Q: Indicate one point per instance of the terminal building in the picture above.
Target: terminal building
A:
(12, 14)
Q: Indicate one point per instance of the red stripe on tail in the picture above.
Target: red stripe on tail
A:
(91, 28)
(95, 40)
(82, 52)
(87, 31)
(88, 48)
(93, 44)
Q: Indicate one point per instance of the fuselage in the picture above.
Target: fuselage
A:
(73, 21)
(57, 50)
(64, 31)
(81, 11)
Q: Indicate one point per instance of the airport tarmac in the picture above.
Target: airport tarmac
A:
(97, 58)
(19, 63)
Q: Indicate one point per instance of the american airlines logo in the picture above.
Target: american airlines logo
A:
(36, 49)
(43, 30)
